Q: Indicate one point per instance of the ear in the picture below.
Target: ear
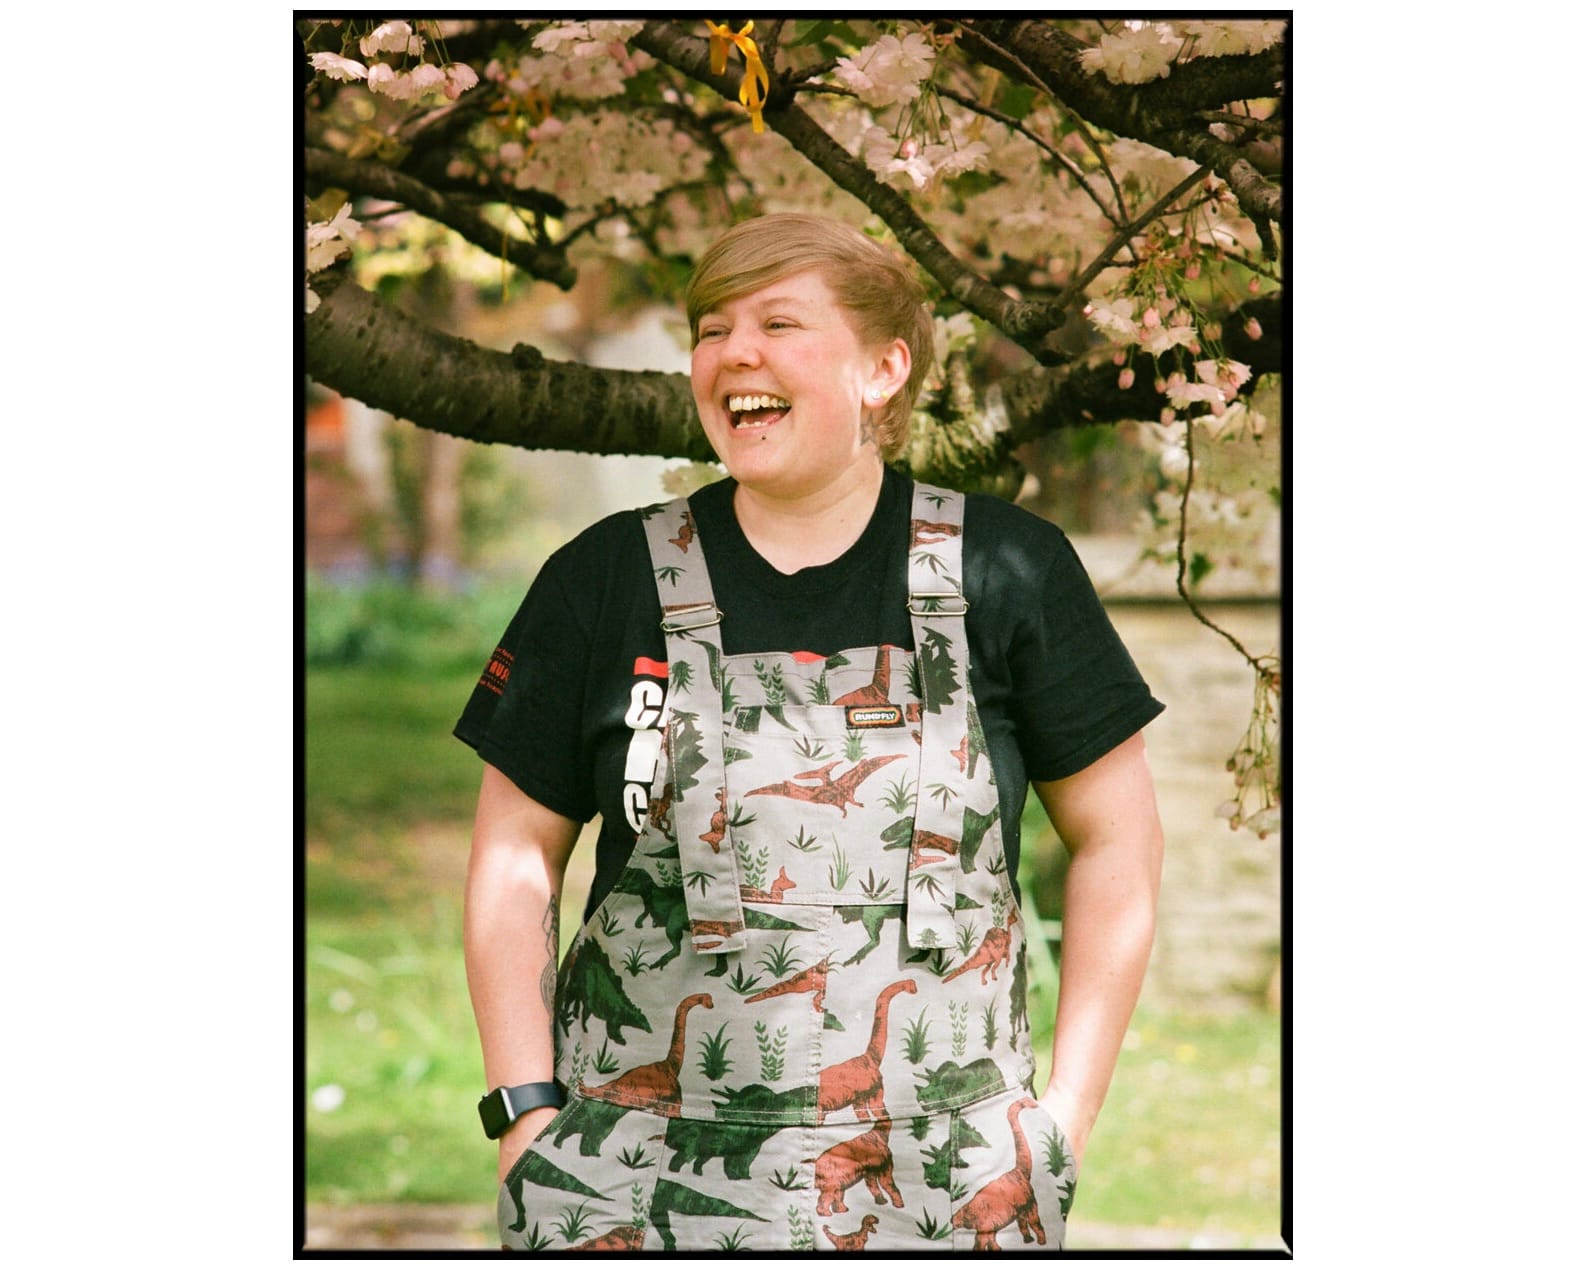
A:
(892, 369)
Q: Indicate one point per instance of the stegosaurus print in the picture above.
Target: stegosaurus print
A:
(588, 987)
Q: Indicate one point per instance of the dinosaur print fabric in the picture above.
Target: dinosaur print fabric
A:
(798, 1019)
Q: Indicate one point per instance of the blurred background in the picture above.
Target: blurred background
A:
(418, 547)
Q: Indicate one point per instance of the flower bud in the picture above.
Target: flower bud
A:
(1253, 329)
(1150, 319)
(1254, 286)
(1118, 357)
(1126, 378)
(1193, 270)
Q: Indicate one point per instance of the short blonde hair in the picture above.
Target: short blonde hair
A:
(879, 290)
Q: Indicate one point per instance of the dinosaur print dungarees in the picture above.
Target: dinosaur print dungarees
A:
(798, 1019)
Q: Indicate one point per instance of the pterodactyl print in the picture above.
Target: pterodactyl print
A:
(837, 793)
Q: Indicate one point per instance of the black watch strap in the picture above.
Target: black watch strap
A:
(504, 1104)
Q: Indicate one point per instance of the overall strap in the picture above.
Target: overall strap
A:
(692, 725)
(942, 656)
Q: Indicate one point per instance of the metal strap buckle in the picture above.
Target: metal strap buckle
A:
(931, 604)
(690, 617)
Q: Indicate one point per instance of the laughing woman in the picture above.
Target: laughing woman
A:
(806, 703)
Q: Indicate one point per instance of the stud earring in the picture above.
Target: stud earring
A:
(876, 394)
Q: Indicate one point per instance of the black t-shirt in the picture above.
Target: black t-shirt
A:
(582, 663)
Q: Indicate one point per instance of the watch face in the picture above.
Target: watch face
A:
(494, 1113)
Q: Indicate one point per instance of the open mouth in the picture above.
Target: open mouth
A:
(754, 410)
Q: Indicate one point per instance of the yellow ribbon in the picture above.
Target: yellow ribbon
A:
(753, 87)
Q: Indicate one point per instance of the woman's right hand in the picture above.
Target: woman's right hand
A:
(516, 1140)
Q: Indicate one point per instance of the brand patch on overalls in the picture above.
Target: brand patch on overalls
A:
(874, 716)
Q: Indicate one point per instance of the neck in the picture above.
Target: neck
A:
(793, 533)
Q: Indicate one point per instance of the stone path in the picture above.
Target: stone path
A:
(463, 1227)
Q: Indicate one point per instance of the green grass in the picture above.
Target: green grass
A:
(1189, 1138)
(379, 750)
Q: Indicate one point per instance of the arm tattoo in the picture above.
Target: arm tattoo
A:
(550, 923)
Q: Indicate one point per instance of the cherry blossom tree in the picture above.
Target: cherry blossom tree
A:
(1095, 207)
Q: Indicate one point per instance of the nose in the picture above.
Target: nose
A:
(742, 346)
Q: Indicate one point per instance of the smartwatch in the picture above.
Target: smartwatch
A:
(504, 1104)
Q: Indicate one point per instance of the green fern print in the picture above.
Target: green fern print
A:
(959, 1017)
(714, 1062)
(772, 1047)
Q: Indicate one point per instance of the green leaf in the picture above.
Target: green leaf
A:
(1016, 99)
(1200, 567)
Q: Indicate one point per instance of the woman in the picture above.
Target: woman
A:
(806, 702)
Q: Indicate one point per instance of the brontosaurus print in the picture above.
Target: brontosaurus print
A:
(993, 952)
(653, 1086)
(867, 1158)
(1006, 1198)
(875, 692)
(837, 793)
(857, 1081)
(856, 1241)
(812, 980)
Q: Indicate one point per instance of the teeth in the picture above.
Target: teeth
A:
(755, 401)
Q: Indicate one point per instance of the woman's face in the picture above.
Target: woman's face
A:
(780, 380)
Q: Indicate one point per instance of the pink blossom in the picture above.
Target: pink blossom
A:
(426, 79)
(1253, 329)
(459, 79)
(333, 66)
(1193, 270)
(1150, 319)
(391, 37)
(1126, 378)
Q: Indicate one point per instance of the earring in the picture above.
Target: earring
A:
(876, 394)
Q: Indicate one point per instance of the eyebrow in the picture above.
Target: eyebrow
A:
(770, 302)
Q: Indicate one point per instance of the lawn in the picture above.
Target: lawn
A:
(1189, 1139)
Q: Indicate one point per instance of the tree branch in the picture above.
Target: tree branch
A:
(370, 351)
(1023, 322)
(323, 167)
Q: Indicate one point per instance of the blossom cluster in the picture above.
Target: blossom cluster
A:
(324, 242)
(889, 71)
(1231, 515)
(587, 160)
(585, 61)
(1143, 51)
(401, 82)
(910, 164)
(1138, 53)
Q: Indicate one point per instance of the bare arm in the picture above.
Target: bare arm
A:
(1107, 817)
(510, 934)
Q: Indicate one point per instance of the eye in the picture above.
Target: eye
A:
(712, 332)
(779, 324)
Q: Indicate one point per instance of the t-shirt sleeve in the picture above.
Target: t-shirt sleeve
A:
(1076, 691)
(525, 715)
